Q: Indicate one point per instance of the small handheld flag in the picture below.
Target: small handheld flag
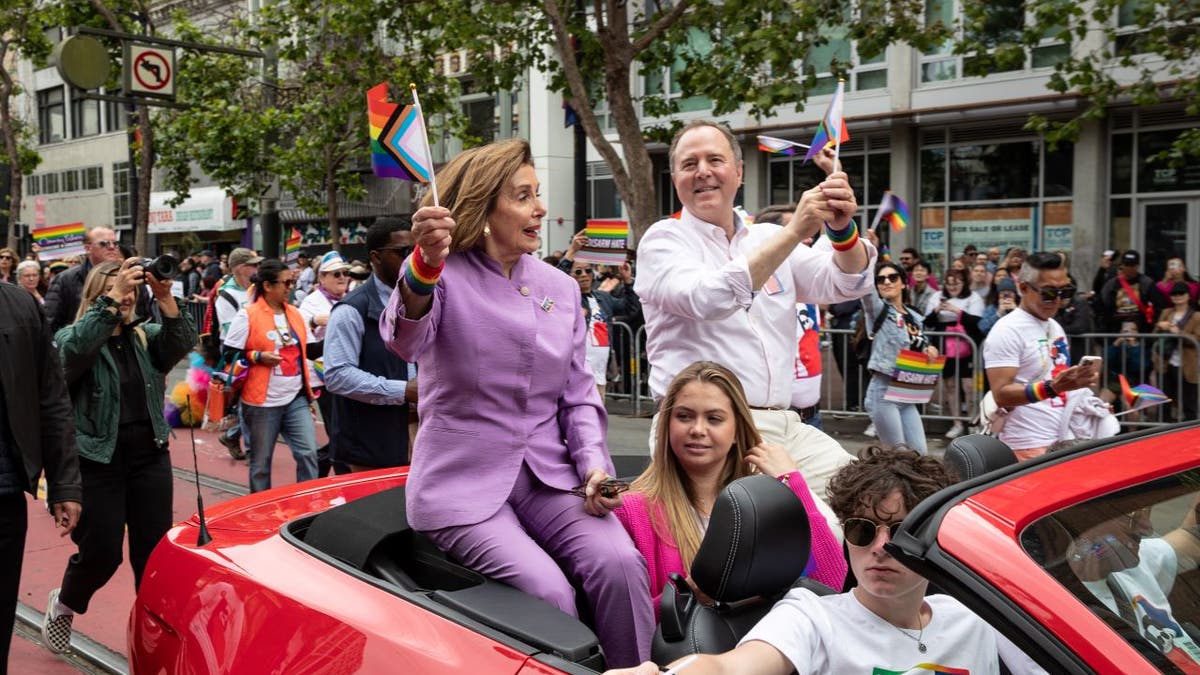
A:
(778, 146)
(399, 143)
(894, 210)
(832, 130)
(1141, 396)
(292, 248)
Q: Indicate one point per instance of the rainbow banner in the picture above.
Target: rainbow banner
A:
(292, 250)
(914, 377)
(832, 130)
(58, 241)
(608, 243)
(892, 209)
(399, 146)
(1141, 396)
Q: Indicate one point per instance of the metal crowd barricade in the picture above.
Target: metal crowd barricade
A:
(196, 310)
(1143, 358)
(629, 352)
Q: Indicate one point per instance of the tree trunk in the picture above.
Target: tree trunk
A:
(145, 172)
(12, 154)
(331, 205)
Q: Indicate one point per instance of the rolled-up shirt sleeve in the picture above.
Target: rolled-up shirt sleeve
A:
(405, 337)
(818, 278)
(343, 344)
(672, 276)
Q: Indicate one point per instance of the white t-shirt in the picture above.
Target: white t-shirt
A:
(315, 304)
(1147, 585)
(972, 304)
(286, 380)
(1037, 349)
(225, 311)
(598, 341)
(806, 388)
(836, 634)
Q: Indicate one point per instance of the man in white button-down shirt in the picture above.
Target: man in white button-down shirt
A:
(714, 287)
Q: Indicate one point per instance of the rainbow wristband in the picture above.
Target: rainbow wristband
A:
(843, 240)
(1039, 391)
(421, 278)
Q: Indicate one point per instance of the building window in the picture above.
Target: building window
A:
(122, 211)
(603, 199)
(93, 178)
(50, 183)
(85, 116)
(661, 82)
(33, 185)
(70, 180)
(863, 73)
(868, 163)
(993, 192)
(115, 118)
(51, 116)
(1000, 22)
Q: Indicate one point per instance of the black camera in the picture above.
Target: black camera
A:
(164, 267)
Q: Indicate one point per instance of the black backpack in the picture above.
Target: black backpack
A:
(210, 332)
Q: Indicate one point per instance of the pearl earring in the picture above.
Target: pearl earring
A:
(487, 230)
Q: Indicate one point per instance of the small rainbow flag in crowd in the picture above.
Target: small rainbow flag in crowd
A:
(914, 377)
(832, 130)
(894, 210)
(58, 241)
(608, 242)
(778, 146)
(1141, 396)
(399, 144)
(292, 250)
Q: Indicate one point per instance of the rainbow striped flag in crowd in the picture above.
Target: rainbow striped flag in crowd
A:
(58, 241)
(608, 243)
(892, 209)
(399, 145)
(832, 130)
(914, 377)
(1141, 396)
(778, 146)
(291, 250)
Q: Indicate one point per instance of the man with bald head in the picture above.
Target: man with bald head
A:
(100, 244)
(714, 287)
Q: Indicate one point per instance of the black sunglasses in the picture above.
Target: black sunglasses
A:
(887, 278)
(580, 271)
(861, 532)
(1053, 294)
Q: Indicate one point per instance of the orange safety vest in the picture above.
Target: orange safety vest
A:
(262, 321)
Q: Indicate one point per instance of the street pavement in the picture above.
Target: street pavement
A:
(105, 623)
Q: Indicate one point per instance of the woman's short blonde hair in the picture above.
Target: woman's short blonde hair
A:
(470, 184)
(666, 485)
(94, 285)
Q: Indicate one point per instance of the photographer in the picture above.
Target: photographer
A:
(116, 374)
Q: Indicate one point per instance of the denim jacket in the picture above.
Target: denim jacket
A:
(891, 338)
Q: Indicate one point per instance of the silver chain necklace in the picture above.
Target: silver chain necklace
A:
(917, 638)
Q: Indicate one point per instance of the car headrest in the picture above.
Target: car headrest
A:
(757, 541)
(970, 456)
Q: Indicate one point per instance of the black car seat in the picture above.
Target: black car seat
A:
(754, 551)
(972, 456)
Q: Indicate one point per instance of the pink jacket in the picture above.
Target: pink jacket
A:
(826, 563)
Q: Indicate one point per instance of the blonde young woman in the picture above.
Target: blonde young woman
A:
(116, 373)
(706, 438)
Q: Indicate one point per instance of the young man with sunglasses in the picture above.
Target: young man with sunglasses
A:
(886, 624)
(1028, 360)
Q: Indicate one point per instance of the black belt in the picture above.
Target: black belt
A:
(807, 413)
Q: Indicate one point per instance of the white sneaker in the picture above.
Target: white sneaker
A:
(56, 628)
(955, 431)
(870, 430)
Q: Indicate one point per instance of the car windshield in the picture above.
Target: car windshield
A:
(1131, 558)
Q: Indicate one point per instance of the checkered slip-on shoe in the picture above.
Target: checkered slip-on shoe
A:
(56, 630)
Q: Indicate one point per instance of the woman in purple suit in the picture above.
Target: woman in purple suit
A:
(510, 418)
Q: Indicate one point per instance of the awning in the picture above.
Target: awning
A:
(208, 208)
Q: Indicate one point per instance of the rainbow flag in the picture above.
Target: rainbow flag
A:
(1141, 396)
(892, 209)
(608, 243)
(292, 250)
(914, 377)
(832, 130)
(778, 146)
(398, 141)
(58, 241)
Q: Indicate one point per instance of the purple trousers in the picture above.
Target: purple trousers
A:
(540, 532)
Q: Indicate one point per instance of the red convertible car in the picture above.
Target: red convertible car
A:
(1085, 558)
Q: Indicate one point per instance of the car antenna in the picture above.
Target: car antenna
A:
(204, 537)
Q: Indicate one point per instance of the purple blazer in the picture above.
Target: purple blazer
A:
(503, 381)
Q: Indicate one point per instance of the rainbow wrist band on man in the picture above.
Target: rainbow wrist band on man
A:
(1039, 391)
(845, 239)
(420, 277)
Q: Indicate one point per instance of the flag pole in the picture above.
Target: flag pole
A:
(425, 139)
(887, 195)
(837, 133)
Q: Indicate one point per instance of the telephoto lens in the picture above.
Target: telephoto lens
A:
(164, 267)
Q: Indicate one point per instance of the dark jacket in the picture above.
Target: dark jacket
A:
(1117, 310)
(364, 433)
(62, 300)
(39, 418)
(95, 384)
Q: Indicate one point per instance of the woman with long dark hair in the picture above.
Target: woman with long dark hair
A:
(268, 338)
(957, 310)
(116, 372)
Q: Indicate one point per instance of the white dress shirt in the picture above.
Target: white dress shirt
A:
(694, 284)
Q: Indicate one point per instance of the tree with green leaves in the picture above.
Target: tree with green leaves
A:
(1107, 52)
(22, 36)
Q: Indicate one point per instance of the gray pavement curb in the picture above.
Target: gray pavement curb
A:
(84, 651)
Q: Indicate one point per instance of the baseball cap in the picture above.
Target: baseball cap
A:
(1131, 258)
(243, 256)
(1006, 284)
(332, 262)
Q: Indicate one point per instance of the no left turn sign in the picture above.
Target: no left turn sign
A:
(150, 71)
